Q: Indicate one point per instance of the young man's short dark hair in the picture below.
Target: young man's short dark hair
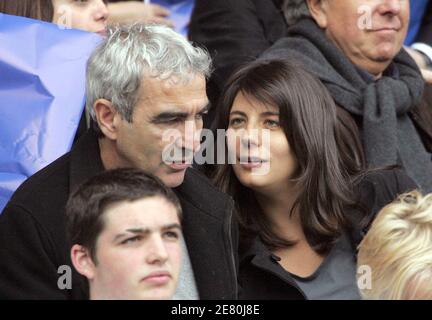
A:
(86, 206)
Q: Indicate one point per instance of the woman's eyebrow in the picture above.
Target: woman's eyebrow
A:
(241, 113)
(270, 113)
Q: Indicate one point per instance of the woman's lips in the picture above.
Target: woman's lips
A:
(251, 162)
(102, 33)
(251, 165)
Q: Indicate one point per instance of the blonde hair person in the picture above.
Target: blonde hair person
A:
(398, 250)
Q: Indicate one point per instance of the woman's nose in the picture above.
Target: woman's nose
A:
(101, 11)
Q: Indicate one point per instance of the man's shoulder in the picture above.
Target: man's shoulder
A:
(50, 186)
(199, 191)
(377, 188)
(393, 177)
(46, 187)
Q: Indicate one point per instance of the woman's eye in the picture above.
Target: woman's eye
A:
(81, 3)
(236, 121)
(272, 123)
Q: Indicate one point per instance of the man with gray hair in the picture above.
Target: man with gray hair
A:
(142, 83)
(356, 49)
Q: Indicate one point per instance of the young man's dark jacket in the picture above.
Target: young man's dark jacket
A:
(33, 239)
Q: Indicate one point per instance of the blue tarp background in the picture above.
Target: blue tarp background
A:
(180, 13)
(42, 72)
(418, 8)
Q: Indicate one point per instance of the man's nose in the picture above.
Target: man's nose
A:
(192, 136)
(389, 7)
(156, 251)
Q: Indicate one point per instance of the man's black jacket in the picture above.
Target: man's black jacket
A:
(33, 240)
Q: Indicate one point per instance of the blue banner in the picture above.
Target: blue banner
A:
(418, 10)
(42, 95)
(181, 11)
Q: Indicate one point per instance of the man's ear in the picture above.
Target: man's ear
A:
(318, 11)
(82, 261)
(107, 118)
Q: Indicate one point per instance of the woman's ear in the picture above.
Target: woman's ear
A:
(82, 261)
(318, 11)
(106, 116)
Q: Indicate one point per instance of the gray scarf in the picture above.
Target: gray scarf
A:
(388, 134)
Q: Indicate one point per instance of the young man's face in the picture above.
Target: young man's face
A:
(138, 253)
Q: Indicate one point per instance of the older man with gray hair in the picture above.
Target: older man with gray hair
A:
(142, 83)
(355, 48)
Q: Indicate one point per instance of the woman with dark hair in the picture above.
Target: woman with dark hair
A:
(303, 203)
(88, 15)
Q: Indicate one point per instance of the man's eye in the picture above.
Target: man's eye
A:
(131, 240)
(201, 114)
(172, 235)
(172, 120)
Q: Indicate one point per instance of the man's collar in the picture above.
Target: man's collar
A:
(85, 160)
(278, 3)
(391, 71)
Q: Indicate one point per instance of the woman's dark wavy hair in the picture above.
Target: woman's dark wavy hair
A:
(34, 9)
(326, 163)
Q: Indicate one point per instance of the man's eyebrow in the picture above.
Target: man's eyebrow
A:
(168, 115)
(141, 231)
(172, 226)
(144, 231)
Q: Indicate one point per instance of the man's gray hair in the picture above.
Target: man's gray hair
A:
(294, 10)
(119, 64)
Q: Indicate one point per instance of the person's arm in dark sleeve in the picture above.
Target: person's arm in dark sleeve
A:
(403, 182)
(27, 269)
(230, 30)
(234, 34)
